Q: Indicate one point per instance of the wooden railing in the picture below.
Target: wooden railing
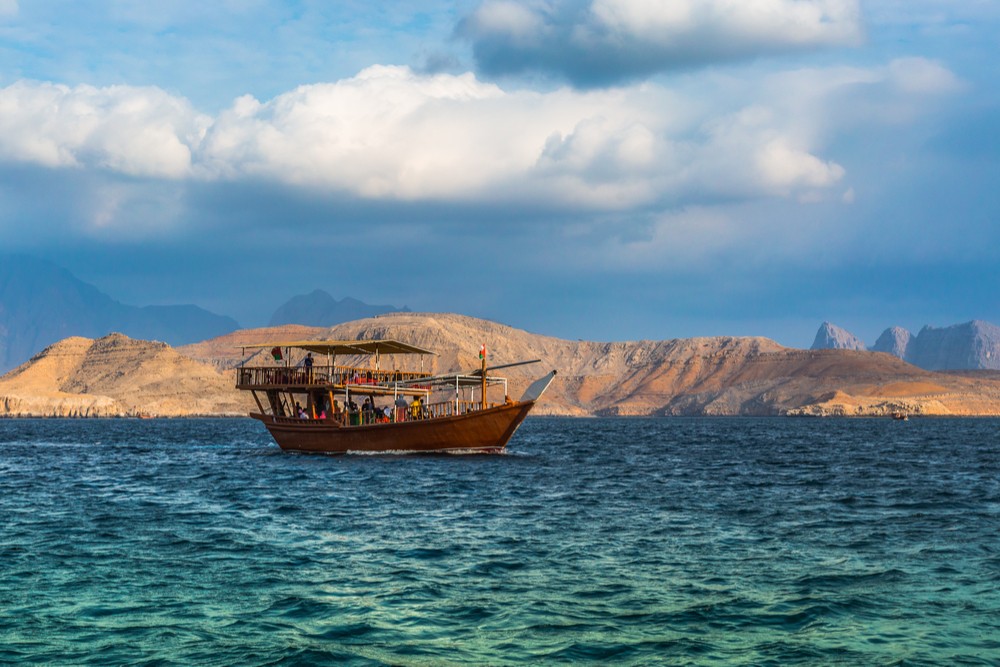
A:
(283, 376)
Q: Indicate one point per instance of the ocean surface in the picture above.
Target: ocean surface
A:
(593, 541)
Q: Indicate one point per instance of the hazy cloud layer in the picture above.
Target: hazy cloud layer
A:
(605, 42)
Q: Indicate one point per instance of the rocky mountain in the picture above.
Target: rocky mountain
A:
(116, 376)
(697, 376)
(973, 345)
(41, 303)
(832, 337)
(319, 309)
(895, 341)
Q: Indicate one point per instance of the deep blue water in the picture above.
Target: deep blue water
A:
(672, 541)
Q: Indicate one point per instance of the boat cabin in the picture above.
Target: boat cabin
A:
(374, 383)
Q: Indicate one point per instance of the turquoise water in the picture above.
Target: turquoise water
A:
(678, 541)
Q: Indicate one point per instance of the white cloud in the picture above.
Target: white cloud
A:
(784, 167)
(8, 8)
(391, 134)
(134, 131)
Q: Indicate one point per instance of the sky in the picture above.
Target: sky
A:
(587, 169)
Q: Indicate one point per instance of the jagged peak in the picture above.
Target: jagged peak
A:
(832, 337)
(895, 341)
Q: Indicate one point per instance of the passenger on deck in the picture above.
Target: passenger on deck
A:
(299, 412)
(415, 411)
(308, 363)
(401, 408)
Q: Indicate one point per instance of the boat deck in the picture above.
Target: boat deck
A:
(331, 377)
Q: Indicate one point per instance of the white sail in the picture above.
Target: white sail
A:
(537, 388)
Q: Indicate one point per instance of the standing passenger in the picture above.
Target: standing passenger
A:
(308, 363)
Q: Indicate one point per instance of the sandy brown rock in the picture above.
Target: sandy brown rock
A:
(697, 376)
(116, 376)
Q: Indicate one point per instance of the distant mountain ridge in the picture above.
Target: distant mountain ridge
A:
(972, 345)
(319, 309)
(41, 303)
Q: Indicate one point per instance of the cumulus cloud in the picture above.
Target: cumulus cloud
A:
(135, 131)
(610, 41)
(392, 134)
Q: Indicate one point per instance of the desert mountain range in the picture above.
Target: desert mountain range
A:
(119, 376)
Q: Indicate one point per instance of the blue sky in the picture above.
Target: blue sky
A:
(600, 169)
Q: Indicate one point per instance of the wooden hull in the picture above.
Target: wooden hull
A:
(485, 431)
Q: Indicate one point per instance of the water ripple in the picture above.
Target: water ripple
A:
(769, 542)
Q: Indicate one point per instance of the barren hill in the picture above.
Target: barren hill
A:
(697, 376)
(116, 376)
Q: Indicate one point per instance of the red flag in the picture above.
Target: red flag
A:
(482, 351)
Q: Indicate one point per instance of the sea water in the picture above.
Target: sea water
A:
(592, 541)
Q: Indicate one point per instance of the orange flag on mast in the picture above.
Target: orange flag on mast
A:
(482, 351)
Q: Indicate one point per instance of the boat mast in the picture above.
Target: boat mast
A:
(482, 356)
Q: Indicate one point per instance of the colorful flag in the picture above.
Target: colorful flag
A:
(482, 351)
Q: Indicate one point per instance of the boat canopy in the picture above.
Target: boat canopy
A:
(335, 347)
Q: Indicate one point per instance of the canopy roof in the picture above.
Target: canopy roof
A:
(385, 346)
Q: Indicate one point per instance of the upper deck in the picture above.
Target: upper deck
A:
(338, 378)
(304, 376)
